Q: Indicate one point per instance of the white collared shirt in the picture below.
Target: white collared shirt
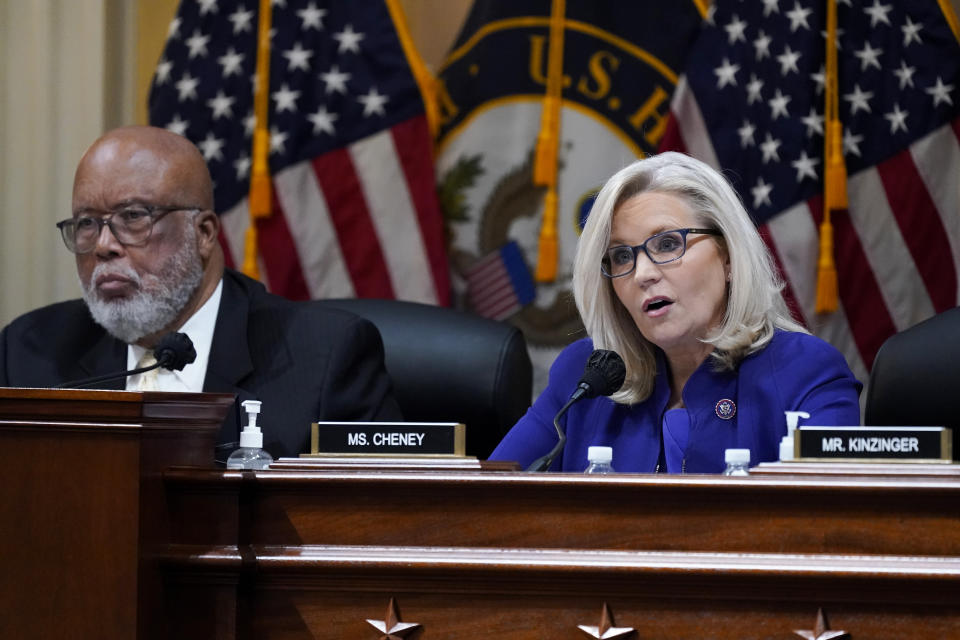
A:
(200, 328)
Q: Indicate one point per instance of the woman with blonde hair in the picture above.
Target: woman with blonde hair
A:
(672, 274)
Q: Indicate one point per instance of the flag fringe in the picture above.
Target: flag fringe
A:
(545, 159)
(260, 197)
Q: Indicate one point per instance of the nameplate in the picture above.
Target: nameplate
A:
(878, 444)
(388, 438)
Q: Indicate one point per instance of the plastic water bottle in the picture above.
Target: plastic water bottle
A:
(598, 459)
(738, 462)
(250, 455)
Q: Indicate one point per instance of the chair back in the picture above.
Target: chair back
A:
(451, 366)
(915, 379)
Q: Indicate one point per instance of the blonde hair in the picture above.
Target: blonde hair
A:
(754, 305)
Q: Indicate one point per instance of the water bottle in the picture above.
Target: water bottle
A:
(598, 459)
(738, 462)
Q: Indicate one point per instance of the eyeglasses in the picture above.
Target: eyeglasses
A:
(661, 248)
(131, 225)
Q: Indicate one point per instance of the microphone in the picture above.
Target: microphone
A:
(174, 351)
(603, 375)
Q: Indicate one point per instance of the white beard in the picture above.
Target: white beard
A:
(158, 300)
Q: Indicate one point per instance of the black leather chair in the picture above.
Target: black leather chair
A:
(915, 380)
(451, 366)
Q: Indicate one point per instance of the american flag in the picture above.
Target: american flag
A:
(499, 283)
(354, 203)
(751, 104)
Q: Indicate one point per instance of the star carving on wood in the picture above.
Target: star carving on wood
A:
(605, 630)
(391, 627)
(821, 630)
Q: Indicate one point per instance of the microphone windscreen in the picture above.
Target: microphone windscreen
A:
(604, 373)
(175, 351)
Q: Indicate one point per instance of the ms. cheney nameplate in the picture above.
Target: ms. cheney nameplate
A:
(865, 444)
(388, 438)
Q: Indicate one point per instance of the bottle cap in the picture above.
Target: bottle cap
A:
(737, 456)
(599, 454)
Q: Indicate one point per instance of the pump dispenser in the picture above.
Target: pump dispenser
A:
(786, 443)
(250, 455)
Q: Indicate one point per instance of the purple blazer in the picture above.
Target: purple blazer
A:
(723, 409)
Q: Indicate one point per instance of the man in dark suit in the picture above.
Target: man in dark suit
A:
(146, 241)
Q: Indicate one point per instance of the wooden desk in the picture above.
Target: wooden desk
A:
(315, 554)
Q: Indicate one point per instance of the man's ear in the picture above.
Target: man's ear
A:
(207, 224)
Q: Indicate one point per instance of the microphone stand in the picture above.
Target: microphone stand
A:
(104, 378)
(543, 463)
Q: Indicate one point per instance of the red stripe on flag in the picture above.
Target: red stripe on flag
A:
(956, 127)
(867, 314)
(921, 227)
(412, 142)
(788, 296)
(356, 234)
(672, 139)
(279, 255)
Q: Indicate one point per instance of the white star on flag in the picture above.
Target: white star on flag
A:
(335, 80)
(207, 6)
(298, 57)
(735, 29)
(178, 125)
(905, 74)
(778, 105)
(726, 74)
(761, 193)
(221, 105)
(804, 166)
(940, 92)
(788, 60)
(232, 63)
(349, 40)
(753, 89)
(187, 87)
(241, 20)
(769, 148)
(878, 13)
(286, 98)
(762, 45)
(373, 102)
(869, 57)
(198, 44)
(798, 17)
(312, 17)
(897, 118)
(278, 140)
(211, 147)
(911, 32)
(163, 71)
(858, 99)
(814, 122)
(322, 120)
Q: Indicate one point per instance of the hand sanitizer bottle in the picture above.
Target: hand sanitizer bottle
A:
(786, 443)
(250, 455)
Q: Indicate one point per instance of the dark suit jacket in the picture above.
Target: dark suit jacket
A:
(304, 361)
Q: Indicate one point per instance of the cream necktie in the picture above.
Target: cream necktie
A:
(149, 380)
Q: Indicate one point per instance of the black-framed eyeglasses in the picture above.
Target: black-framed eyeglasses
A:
(661, 248)
(131, 225)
